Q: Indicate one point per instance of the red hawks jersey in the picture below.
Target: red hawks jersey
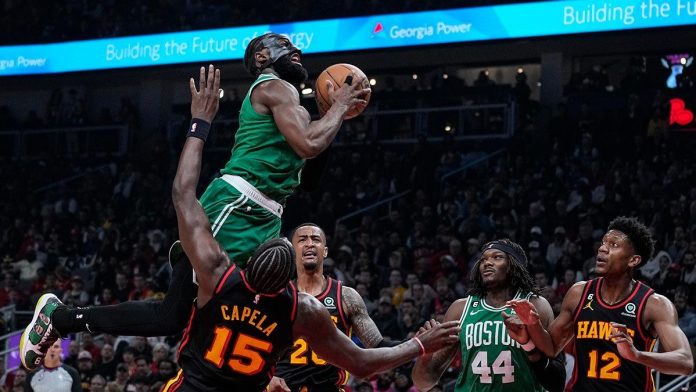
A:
(598, 365)
(301, 368)
(233, 342)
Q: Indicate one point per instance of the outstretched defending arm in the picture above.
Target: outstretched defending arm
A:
(549, 371)
(207, 257)
(560, 331)
(429, 368)
(315, 326)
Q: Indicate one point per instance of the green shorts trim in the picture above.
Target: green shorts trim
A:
(238, 223)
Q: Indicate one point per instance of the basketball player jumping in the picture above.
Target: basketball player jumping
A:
(243, 320)
(244, 206)
(614, 320)
(491, 360)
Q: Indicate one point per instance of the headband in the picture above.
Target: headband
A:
(509, 250)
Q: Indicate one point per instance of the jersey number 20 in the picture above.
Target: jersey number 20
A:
(246, 355)
(501, 365)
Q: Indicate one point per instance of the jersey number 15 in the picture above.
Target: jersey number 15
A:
(247, 353)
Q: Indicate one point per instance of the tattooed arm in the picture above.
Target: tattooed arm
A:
(357, 317)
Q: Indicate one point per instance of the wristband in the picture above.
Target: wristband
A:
(420, 344)
(529, 346)
(199, 129)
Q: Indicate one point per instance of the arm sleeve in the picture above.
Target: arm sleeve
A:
(550, 372)
(313, 170)
(77, 383)
(27, 382)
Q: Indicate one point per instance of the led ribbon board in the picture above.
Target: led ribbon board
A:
(362, 33)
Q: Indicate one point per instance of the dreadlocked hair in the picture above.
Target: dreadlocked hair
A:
(271, 266)
(518, 276)
(638, 234)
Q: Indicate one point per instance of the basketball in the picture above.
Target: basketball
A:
(337, 74)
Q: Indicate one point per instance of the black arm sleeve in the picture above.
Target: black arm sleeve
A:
(27, 382)
(550, 372)
(77, 383)
(389, 343)
(313, 170)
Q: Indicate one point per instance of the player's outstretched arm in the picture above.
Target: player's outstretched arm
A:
(429, 367)
(307, 138)
(550, 372)
(208, 259)
(676, 356)
(314, 324)
(552, 340)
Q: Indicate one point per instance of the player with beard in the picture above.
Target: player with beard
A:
(614, 320)
(301, 369)
(491, 360)
(244, 205)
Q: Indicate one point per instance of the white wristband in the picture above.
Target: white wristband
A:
(529, 346)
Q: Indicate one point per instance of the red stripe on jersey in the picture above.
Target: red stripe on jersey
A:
(326, 292)
(620, 304)
(224, 278)
(186, 336)
(293, 313)
(639, 317)
(339, 290)
(578, 308)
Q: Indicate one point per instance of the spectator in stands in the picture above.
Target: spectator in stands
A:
(17, 381)
(76, 296)
(385, 319)
(122, 381)
(85, 366)
(97, 384)
(107, 367)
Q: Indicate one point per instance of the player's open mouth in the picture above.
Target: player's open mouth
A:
(295, 58)
(488, 271)
(309, 255)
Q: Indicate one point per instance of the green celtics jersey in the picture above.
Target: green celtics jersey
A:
(261, 154)
(491, 360)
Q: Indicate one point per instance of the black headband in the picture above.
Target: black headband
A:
(509, 250)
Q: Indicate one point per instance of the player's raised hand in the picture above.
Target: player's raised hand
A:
(351, 93)
(525, 310)
(624, 342)
(277, 384)
(427, 326)
(516, 328)
(205, 100)
(440, 335)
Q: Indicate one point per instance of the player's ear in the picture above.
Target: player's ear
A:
(634, 261)
(261, 56)
(326, 251)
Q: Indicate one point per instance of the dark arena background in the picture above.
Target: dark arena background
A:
(540, 124)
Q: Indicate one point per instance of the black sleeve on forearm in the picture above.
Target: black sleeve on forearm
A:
(550, 372)
(313, 170)
(389, 343)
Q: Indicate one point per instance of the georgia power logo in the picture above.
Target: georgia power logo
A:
(329, 303)
(629, 310)
(378, 31)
